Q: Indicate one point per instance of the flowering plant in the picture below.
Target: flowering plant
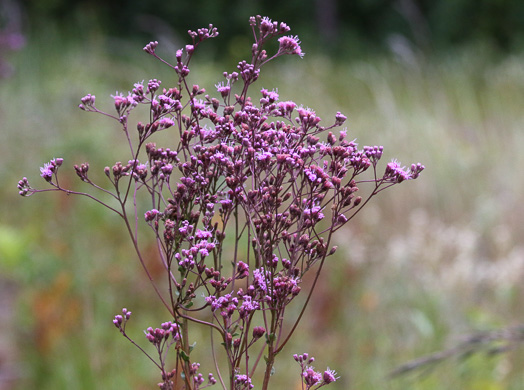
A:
(241, 208)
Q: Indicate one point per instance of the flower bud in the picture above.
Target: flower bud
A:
(258, 332)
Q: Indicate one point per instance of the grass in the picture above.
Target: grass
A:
(426, 263)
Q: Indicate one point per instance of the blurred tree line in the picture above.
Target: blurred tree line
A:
(342, 28)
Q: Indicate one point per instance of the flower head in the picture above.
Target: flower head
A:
(223, 89)
(311, 377)
(88, 103)
(329, 376)
(150, 47)
(244, 381)
(290, 45)
(50, 168)
(23, 186)
(46, 172)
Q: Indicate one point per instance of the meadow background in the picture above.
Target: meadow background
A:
(426, 263)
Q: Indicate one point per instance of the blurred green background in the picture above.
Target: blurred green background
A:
(440, 82)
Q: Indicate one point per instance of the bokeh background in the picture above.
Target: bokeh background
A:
(428, 263)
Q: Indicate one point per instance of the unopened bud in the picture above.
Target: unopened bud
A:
(258, 331)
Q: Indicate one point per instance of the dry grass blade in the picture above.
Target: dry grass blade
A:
(491, 342)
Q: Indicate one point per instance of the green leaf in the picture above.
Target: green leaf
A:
(184, 356)
(270, 338)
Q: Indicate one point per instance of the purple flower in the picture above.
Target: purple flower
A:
(264, 156)
(396, 173)
(203, 234)
(311, 377)
(259, 276)
(373, 152)
(151, 215)
(267, 26)
(416, 169)
(329, 376)
(339, 119)
(165, 123)
(243, 380)
(123, 103)
(310, 175)
(23, 186)
(150, 47)
(271, 96)
(158, 335)
(140, 171)
(290, 45)
(223, 89)
(248, 306)
(307, 117)
(258, 332)
(185, 229)
(198, 104)
(314, 213)
(304, 358)
(286, 107)
(118, 320)
(152, 86)
(210, 299)
(342, 219)
(242, 270)
(121, 319)
(47, 171)
(126, 313)
(187, 262)
(88, 103)
(204, 33)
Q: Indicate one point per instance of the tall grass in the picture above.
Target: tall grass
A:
(428, 262)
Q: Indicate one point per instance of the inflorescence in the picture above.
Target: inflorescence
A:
(265, 173)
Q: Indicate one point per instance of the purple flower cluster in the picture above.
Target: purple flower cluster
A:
(242, 207)
(312, 378)
(243, 382)
(121, 320)
(159, 335)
